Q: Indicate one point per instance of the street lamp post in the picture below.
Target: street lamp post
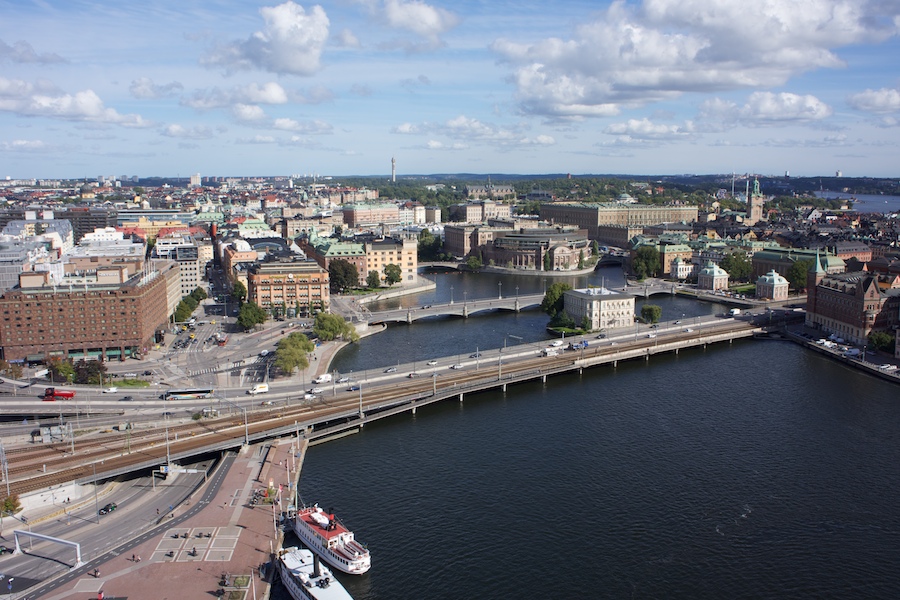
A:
(451, 294)
(96, 502)
(499, 290)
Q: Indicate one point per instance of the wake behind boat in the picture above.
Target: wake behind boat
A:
(327, 537)
(306, 579)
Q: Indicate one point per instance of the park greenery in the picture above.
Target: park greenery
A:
(737, 265)
(328, 327)
(553, 301)
(796, 274)
(90, 372)
(189, 304)
(879, 340)
(250, 315)
(651, 313)
(646, 262)
(292, 352)
(373, 281)
(342, 275)
(392, 274)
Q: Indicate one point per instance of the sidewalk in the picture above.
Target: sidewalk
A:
(218, 547)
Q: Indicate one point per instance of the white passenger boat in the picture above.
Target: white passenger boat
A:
(327, 537)
(305, 578)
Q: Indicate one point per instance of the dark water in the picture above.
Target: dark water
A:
(871, 203)
(757, 470)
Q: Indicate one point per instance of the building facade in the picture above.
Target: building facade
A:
(288, 287)
(599, 308)
(591, 216)
(772, 286)
(107, 316)
(712, 277)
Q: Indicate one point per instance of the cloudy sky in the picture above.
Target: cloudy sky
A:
(237, 87)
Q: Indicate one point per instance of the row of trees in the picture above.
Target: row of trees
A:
(343, 275)
(88, 372)
(189, 304)
(292, 352)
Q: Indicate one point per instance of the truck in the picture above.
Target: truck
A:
(734, 312)
(323, 378)
(52, 393)
(549, 352)
(259, 388)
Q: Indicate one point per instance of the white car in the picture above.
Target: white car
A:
(111, 390)
(431, 363)
(456, 366)
(556, 343)
(343, 380)
(317, 390)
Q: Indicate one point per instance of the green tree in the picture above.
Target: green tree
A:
(737, 265)
(239, 291)
(199, 294)
(595, 248)
(61, 370)
(331, 327)
(646, 262)
(89, 371)
(796, 274)
(548, 262)
(11, 504)
(11, 370)
(880, 340)
(184, 310)
(292, 352)
(373, 281)
(342, 275)
(474, 262)
(581, 259)
(651, 313)
(552, 304)
(429, 247)
(251, 315)
(392, 274)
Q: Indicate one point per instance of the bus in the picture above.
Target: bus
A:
(188, 394)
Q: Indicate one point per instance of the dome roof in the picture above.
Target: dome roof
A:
(713, 270)
(772, 278)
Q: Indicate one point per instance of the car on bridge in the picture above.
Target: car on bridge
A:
(353, 388)
(108, 508)
(457, 366)
(343, 380)
(317, 390)
(475, 355)
(126, 399)
(431, 363)
(391, 370)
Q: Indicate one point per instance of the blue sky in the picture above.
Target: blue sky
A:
(229, 87)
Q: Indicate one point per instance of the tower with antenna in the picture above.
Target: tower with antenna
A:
(393, 170)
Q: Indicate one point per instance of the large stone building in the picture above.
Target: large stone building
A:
(591, 216)
(782, 259)
(83, 219)
(712, 277)
(852, 305)
(288, 286)
(772, 286)
(386, 251)
(479, 212)
(106, 315)
(559, 249)
(371, 215)
(599, 308)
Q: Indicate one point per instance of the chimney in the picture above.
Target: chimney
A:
(316, 571)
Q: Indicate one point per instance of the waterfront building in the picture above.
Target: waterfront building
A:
(681, 269)
(591, 216)
(527, 248)
(599, 308)
(852, 305)
(772, 286)
(108, 314)
(288, 286)
(390, 250)
(323, 250)
(712, 277)
(615, 235)
(461, 239)
(668, 253)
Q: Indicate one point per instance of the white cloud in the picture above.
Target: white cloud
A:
(881, 101)
(23, 52)
(144, 89)
(314, 127)
(420, 18)
(248, 112)
(346, 39)
(632, 55)
(406, 128)
(290, 43)
(314, 95)
(45, 100)
(254, 93)
(767, 108)
(175, 130)
(467, 130)
(646, 129)
(257, 139)
(24, 146)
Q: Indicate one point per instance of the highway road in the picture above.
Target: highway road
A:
(135, 517)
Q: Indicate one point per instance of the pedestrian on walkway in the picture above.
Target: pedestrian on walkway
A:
(132, 558)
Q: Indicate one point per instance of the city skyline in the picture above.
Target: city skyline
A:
(342, 88)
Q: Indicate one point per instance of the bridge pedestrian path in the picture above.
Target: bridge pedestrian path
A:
(209, 547)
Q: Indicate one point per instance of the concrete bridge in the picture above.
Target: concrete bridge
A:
(462, 309)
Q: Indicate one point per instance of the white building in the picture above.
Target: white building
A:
(599, 308)
(712, 277)
(772, 286)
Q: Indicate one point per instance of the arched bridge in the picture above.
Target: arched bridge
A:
(457, 309)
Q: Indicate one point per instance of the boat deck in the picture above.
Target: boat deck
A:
(326, 533)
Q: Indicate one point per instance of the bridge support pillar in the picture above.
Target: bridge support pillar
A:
(460, 397)
(408, 317)
(466, 311)
(676, 351)
(615, 364)
(517, 305)
(503, 387)
(543, 379)
(413, 411)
